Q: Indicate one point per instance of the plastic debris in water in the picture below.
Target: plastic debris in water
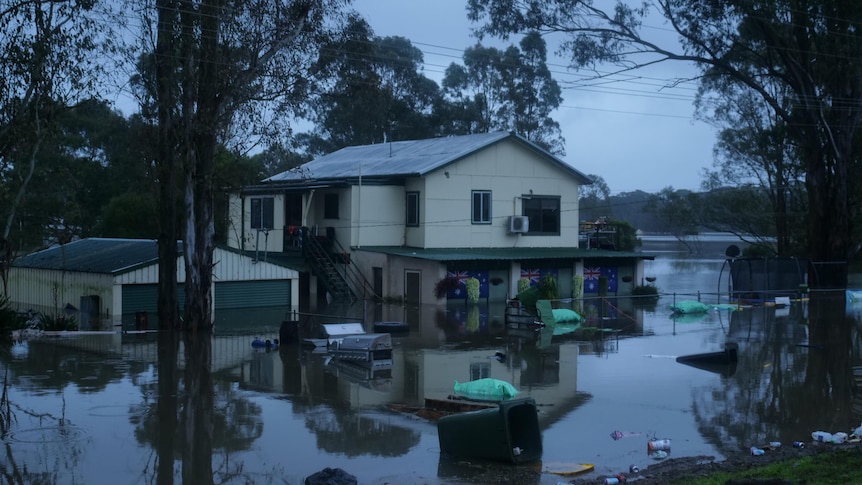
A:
(659, 455)
(617, 434)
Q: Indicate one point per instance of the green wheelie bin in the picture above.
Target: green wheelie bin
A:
(509, 432)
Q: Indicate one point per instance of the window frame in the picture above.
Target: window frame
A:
(262, 211)
(547, 214)
(411, 204)
(480, 204)
(330, 205)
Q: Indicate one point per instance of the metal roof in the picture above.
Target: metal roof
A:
(407, 158)
(96, 255)
(503, 254)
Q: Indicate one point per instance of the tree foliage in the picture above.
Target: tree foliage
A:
(223, 72)
(808, 49)
(51, 57)
(754, 154)
(504, 90)
(369, 90)
(677, 214)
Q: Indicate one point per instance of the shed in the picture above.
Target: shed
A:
(104, 279)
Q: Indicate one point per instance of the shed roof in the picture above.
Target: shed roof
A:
(407, 158)
(96, 255)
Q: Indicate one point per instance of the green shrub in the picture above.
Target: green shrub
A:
(472, 290)
(54, 324)
(578, 286)
(549, 288)
(645, 296)
(523, 284)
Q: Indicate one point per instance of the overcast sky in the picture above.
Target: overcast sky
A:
(634, 133)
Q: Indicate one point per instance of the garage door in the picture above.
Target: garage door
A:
(248, 294)
(144, 298)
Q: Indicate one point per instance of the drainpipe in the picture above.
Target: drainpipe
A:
(359, 209)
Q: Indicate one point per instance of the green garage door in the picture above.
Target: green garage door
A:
(144, 298)
(249, 294)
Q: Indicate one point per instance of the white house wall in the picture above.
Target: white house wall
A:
(49, 291)
(380, 214)
(241, 235)
(508, 170)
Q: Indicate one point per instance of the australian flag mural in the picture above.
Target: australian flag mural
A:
(592, 274)
(535, 275)
(460, 291)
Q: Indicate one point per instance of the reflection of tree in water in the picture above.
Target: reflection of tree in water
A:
(792, 378)
(236, 422)
(30, 436)
(340, 431)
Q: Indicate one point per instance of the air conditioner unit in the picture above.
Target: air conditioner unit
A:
(519, 224)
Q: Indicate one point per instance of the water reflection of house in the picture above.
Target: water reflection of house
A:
(394, 219)
(547, 374)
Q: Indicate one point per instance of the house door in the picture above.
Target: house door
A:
(292, 219)
(293, 209)
(377, 280)
(412, 286)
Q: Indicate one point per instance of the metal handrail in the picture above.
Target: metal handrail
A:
(354, 275)
(314, 246)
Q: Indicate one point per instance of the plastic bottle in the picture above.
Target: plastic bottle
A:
(615, 480)
(822, 436)
(756, 451)
(839, 438)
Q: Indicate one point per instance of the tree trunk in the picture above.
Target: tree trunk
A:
(167, 239)
(202, 133)
(197, 453)
(167, 406)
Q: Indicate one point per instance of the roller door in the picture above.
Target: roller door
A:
(249, 294)
(144, 298)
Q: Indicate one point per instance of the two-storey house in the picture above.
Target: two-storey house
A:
(395, 219)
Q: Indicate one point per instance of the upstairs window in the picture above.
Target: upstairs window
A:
(330, 206)
(544, 214)
(412, 209)
(262, 212)
(481, 207)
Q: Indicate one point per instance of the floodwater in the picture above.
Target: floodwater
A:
(126, 408)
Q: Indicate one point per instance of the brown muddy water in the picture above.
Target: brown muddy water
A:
(113, 409)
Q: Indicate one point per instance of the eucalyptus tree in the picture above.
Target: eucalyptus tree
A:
(225, 73)
(808, 47)
(754, 154)
(478, 89)
(53, 54)
(369, 89)
(508, 89)
(536, 95)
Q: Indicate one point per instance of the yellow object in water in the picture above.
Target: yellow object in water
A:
(565, 468)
